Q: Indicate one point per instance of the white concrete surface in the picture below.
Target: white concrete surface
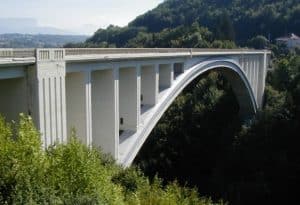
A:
(13, 99)
(178, 69)
(149, 84)
(76, 105)
(104, 111)
(128, 98)
(166, 75)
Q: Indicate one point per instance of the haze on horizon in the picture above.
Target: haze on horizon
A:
(70, 16)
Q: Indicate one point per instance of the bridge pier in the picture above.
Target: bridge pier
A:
(14, 92)
(78, 100)
(262, 72)
(149, 85)
(128, 98)
(166, 76)
(105, 110)
(178, 69)
(47, 81)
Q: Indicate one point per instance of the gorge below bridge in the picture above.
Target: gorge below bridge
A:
(115, 97)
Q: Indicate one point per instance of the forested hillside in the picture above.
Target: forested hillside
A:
(203, 23)
(201, 141)
(249, 18)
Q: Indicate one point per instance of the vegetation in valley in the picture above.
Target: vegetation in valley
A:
(74, 174)
(202, 142)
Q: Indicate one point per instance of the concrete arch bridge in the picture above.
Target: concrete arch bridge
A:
(115, 97)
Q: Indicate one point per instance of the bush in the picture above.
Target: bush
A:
(73, 174)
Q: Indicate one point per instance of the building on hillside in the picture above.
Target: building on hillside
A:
(291, 40)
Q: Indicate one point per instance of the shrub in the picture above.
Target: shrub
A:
(73, 174)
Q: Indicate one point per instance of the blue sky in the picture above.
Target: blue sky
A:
(77, 14)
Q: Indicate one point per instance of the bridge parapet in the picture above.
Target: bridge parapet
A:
(50, 54)
(16, 53)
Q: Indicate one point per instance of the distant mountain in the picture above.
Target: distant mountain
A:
(38, 41)
(28, 26)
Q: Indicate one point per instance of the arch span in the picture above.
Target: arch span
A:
(231, 70)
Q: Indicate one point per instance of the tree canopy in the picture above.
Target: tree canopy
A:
(173, 24)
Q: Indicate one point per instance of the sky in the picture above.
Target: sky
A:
(77, 15)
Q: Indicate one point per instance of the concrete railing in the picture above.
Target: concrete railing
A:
(59, 53)
(102, 51)
(45, 54)
(16, 53)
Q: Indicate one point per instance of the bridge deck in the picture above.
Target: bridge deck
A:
(29, 56)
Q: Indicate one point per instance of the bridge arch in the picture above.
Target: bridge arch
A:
(232, 72)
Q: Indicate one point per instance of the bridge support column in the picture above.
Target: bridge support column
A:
(78, 94)
(13, 99)
(165, 76)
(128, 98)
(178, 69)
(261, 79)
(105, 110)
(49, 79)
(149, 85)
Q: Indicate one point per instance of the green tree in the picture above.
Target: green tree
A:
(258, 42)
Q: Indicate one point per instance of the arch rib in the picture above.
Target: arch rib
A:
(129, 152)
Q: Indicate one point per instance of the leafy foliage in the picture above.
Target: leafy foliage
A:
(172, 24)
(74, 174)
(201, 141)
(248, 18)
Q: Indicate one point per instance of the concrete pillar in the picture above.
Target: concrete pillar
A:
(105, 110)
(128, 98)
(178, 69)
(49, 78)
(138, 76)
(88, 106)
(149, 85)
(256, 70)
(165, 76)
(13, 99)
(78, 97)
(261, 79)
(247, 68)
